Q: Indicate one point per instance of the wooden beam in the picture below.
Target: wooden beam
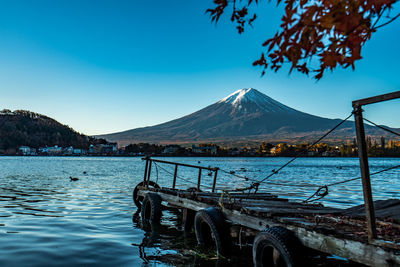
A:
(188, 219)
(376, 99)
(365, 176)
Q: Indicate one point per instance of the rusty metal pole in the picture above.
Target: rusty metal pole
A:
(199, 180)
(366, 182)
(145, 171)
(175, 174)
(215, 180)
(148, 173)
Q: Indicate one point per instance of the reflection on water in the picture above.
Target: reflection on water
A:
(47, 219)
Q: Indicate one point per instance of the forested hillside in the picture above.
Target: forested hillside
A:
(25, 128)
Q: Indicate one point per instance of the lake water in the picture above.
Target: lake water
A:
(45, 219)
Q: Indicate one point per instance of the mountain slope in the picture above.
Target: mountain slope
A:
(247, 114)
(25, 128)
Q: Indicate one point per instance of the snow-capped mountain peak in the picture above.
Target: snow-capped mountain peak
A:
(238, 96)
(254, 97)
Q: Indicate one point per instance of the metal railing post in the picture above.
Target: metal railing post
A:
(175, 174)
(199, 181)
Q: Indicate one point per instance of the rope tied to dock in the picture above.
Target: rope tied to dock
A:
(321, 192)
(221, 199)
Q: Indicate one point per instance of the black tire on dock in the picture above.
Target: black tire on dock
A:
(151, 208)
(277, 246)
(211, 229)
(139, 199)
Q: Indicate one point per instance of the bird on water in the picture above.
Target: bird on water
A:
(73, 178)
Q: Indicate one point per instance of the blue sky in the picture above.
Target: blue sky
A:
(108, 66)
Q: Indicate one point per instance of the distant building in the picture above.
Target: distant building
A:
(27, 151)
(110, 148)
(171, 149)
(104, 149)
(79, 151)
(233, 152)
(68, 151)
(54, 150)
(204, 150)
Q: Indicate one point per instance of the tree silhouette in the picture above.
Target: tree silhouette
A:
(315, 35)
(25, 128)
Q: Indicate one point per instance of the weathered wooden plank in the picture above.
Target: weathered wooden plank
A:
(383, 208)
(274, 203)
(257, 195)
(241, 196)
(271, 204)
(368, 254)
(375, 99)
(272, 211)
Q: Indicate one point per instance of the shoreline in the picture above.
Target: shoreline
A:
(193, 156)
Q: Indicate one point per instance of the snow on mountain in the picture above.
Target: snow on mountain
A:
(254, 97)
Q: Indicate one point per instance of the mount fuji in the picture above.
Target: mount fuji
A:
(244, 116)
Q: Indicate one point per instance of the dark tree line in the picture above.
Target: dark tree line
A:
(25, 128)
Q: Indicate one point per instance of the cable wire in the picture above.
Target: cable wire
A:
(381, 127)
(321, 195)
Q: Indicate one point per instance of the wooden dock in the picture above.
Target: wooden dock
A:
(282, 232)
(340, 232)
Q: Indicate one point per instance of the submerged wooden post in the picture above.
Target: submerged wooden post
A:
(365, 175)
(215, 180)
(175, 174)
(188, 219)
(199, 180)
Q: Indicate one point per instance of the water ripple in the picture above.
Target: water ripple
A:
(45, 219)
